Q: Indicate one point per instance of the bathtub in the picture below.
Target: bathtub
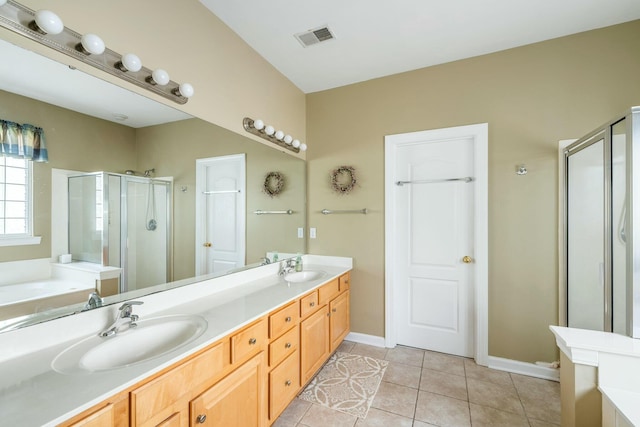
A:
(21, 299)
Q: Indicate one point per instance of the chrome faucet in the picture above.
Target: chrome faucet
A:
(286, 267)
(126, 315)
(95, 301)
(264, 260)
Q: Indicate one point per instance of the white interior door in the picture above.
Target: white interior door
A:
(220, 214)
(432, 233)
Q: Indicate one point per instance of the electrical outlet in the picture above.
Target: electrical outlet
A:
(300, 232)
(312, 232)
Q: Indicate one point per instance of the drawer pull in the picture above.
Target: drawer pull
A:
(287, 345)
(312, 304)
(287, 319)
(287, 383)
(200, 419)
(252, 341)
(334, 310)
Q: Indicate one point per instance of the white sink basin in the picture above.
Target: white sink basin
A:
(151, 338)
(304, 276)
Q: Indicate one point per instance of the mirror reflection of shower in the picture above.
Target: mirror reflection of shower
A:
(122, 220)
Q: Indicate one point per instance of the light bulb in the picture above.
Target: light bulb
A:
(269, 130)
(296, 143)
(48, 22)
(91, 43)
(288, 139)
(279, 135)
(160, 76)
(130, 62)
(186, 90)
(258, 124)
(303, 147)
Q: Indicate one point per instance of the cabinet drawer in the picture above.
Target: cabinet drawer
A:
(153, 402)
(345, 279)
(283, 320)
(328, 291)
(102, 417)
(284, 382)
(309, 304)
(248, 342)
(283, 346)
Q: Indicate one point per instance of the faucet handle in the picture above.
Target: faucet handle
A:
(127, 308)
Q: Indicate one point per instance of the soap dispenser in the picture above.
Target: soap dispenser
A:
(299, 263)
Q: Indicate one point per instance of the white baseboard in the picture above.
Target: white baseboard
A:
(365, 339)
(524, 368)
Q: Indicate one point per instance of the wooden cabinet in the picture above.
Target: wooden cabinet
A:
(112, 412)
(309, 304)
(284, 319)
(338, 319)
(284, 383)
(248, 342)
(314, 343)
(102, 417)
(238, 400)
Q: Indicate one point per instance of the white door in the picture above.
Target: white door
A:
(432, 236)
(220, 214)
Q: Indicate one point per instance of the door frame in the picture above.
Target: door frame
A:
(480, 301)
(201, 220)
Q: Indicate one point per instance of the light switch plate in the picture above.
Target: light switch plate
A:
(300, 232)
(312, 232)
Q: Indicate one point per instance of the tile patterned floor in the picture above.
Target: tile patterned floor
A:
(425, 389)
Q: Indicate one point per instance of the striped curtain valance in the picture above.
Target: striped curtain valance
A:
(23, 141)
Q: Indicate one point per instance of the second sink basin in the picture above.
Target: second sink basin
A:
(304, 276)
(151, 338)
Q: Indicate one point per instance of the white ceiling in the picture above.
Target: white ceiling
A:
(376, 38)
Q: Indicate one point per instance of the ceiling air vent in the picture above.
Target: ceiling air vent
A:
(311, 37)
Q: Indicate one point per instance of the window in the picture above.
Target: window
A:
(15, 198)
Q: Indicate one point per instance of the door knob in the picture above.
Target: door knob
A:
(206, 245)
(467, 259)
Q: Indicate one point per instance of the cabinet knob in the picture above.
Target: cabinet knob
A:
(334, 310)
(287, 345)
(200, 419)
(287, 383)
(288, 319)
(252, 341)
(346, 281)
(312, 304)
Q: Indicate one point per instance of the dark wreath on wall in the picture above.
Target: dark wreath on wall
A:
(273, 184)
(343, 179)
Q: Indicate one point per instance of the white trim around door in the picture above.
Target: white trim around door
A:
(479, 135)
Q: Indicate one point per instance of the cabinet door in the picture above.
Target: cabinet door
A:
(314, 343)
(238, 400)
(339, 319)
(284, 383)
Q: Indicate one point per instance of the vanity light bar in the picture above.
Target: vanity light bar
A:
(268, 132)
(46, 28)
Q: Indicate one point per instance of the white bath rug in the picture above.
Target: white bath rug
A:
(347, 383)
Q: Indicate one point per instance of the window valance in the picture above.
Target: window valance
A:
(23, 141)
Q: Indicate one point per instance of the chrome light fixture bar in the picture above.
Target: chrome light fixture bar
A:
(268, 132)
(46, 28)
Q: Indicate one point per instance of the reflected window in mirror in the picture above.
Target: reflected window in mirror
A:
(15, 198)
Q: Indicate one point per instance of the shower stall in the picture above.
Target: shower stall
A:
(601, 268)
(122, 221)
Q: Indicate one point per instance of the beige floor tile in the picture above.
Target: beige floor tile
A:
(417, 423)
(295, 411)
(443, 383)
(378, 418)
(540, 398)
(320, 416)
(397, 373)
(396, 398)
(483, 373)
(482, 416)
(538, 423)
(443, 362)
(283, 422)
(405, 355)
(442, 410)
(503, 397)
(345, 347)
(369, 350)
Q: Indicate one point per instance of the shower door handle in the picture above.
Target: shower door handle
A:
(207, 245)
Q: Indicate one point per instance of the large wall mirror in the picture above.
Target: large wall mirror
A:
(93, 126)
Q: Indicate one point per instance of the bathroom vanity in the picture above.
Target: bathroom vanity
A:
(264, 339)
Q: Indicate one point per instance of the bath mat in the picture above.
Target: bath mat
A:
(347, 383)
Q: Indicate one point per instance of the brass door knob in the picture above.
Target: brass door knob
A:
(467, 259)
(206, 245)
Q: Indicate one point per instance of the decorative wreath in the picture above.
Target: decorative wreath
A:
(273, 184)
(343, 179)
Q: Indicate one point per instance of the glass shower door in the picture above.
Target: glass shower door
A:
(586, 276)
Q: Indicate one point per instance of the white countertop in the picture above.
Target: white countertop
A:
(33, 394)
(626, 402)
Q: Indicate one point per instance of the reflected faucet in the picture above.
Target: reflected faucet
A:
(95, 301)
(126, 315)
(286, 267)
(264, 260)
